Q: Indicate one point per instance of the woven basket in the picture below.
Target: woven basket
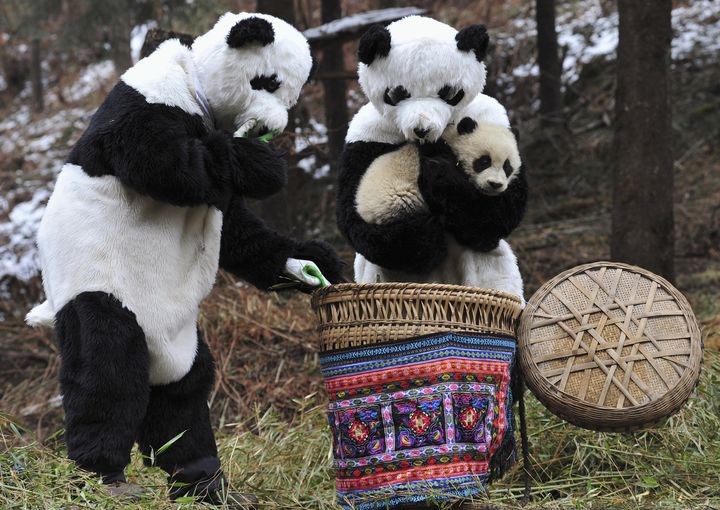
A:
(610, 347)
(353, 315)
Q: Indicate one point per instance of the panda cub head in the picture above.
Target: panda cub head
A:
(251, 68)
(418, 73)
(487, 153)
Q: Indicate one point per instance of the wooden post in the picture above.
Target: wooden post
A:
(548, 63)
(642, 212)
(335, 96)
(36, 74)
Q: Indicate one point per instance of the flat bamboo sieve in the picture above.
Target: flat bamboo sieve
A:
(610, 347)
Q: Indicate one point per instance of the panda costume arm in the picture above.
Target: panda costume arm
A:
(412, 241)
(476, 220)
(159, 146)
(257, 254)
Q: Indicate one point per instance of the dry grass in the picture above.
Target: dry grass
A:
(274, 440)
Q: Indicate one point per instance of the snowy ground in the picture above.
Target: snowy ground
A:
(584, 30)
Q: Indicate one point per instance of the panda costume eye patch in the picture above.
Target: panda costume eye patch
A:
(395, 95)
(451, 95)
(264, 82)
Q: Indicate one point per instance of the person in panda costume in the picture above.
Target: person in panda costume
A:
(424, 78)
(149, 204)
(471, 182)
(419, 75)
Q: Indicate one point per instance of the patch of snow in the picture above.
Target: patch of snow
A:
(18, 255)
(92, 79)
(586, 32)
(314, 135)
(137, 38)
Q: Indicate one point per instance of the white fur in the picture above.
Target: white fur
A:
(389, 187)
(487, 110)
(159, 260)
(226, 72)
(496, 269)
(166, 77)
(369, 126)
(423, 58)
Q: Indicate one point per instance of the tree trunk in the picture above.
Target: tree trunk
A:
(283, 9)
(278, 210)
(335, 91)
(548, 63)
(642, 209)
(36, 73)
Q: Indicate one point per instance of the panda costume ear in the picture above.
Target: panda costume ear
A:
(375, 42)
(466, 126)
(251, 30)
(474, 37)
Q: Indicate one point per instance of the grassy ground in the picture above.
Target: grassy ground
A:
(274, 441)
(286, 463)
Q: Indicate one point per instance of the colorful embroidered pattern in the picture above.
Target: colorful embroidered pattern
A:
(419, 418)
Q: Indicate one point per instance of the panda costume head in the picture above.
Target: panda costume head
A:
(487, 153)
(419, 72)
(251, 68)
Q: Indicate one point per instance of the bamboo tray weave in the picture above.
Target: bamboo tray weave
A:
(608, 346)
(352, 315)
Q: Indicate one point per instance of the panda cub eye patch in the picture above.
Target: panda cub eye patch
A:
(394, 96)
(264, 82)
(482, 163)
(451, 95)
(507, 167)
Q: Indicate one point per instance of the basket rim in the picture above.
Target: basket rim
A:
(553, 397)
(319, 296)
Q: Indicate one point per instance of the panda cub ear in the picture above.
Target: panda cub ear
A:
(474, 37)
(251, 30)
(375, 42)
(466, 126)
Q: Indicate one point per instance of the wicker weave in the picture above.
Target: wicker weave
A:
(352, 315)
(609, 346)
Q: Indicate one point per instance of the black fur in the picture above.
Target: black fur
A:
(181, 407)
(466, 126)
(474, 37)
(166, 153)
(264, 82)
(104, 381)
(412, 243)
(476, 220)
(254, 252)
(375, 42)
(109, 403)
(251, 30)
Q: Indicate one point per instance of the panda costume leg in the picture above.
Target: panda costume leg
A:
(104, 381)
(181, 408)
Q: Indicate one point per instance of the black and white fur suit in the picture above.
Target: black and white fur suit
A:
(149, 204)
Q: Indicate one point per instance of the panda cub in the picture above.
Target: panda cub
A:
(473, 180)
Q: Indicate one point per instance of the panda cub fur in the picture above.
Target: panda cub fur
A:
(473, 179)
